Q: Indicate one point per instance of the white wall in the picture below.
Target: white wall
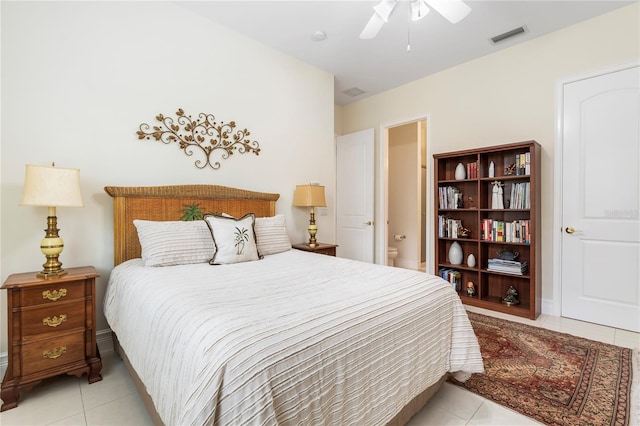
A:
(508, 96)
(78, 78)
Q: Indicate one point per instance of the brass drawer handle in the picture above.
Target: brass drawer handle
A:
(55, 321)
(54, 353)
(55, 294)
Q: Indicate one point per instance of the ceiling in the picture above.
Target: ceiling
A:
(384, 62)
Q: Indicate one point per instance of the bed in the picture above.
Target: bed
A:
(289, 338)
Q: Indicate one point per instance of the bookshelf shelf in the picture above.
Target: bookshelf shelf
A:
(491, 230)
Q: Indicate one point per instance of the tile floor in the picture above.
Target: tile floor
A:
(114, 401)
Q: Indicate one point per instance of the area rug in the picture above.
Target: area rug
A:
(552, 377)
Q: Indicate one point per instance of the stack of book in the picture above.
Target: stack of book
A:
(449, 197)
(517, 231)
(454, 277)
(448, 228)
(520, 197)
(472, 170)
(508, 266)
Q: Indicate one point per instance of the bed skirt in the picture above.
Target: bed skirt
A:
(402, 418)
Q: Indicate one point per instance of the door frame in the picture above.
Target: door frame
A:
(554, 306)
(382, 194)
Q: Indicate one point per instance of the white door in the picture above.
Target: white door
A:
(354, 196)
(600, 206)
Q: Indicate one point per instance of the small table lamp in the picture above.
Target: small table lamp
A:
(51, 187)
(310, 196)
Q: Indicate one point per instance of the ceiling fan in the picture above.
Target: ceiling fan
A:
(453, 10)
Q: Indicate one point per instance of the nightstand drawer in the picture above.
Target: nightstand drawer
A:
(329, 251)
(51, 293)
(50, 353)
(54, 318)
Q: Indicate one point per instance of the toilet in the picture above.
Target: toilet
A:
(392, 253)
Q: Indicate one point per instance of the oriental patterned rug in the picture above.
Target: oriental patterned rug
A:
(552, 377)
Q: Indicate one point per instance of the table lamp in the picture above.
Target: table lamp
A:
(51, 187)
(310, 196)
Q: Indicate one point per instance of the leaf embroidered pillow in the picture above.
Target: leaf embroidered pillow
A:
(234, 239)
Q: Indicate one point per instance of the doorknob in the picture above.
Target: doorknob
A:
(570, 230)
(368, 223)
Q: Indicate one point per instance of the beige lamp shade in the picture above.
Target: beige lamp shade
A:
(309, 196)
(51, 186)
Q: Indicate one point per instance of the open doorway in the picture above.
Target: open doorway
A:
(406, 195)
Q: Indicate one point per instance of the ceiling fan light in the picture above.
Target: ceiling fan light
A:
(453, 10)
(384, 8)
(419, 10)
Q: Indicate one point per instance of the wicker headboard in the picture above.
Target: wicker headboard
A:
(166, 203)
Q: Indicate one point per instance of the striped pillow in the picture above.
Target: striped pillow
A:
(170, 243)
(271, 235)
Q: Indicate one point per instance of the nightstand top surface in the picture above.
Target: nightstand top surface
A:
(29, 279)
(319, 246)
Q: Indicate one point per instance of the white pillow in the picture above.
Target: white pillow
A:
(179, 242)
(271, 235)
(235, 239)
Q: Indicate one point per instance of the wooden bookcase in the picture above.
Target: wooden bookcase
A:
(476, 210)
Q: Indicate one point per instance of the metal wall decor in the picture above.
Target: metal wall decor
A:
(203, 134)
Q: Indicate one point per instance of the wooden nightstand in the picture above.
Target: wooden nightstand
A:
(51, 330)
(328, 249)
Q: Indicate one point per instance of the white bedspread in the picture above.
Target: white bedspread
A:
(295, 338)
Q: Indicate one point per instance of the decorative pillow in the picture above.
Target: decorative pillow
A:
(271, 235)
(169, 243)
(235, 239)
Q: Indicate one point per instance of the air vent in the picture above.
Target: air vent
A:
(353, 92)
(514, 32)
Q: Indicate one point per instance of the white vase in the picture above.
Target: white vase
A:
(455, 254)
(471, 261)
(460, 173)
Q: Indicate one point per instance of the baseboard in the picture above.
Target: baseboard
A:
(406, 263)
(547, 307)
(103, 339)
(3, 363)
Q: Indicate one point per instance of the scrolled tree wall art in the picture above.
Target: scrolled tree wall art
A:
(204, 134)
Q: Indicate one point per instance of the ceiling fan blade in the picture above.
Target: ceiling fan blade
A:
(453, 10)
(381, 14)
(384, 8)
(373, 27)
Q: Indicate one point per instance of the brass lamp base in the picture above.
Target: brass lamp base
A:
(313, 230)
(51, 246)
(52, 276)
